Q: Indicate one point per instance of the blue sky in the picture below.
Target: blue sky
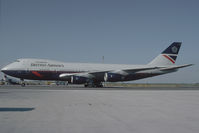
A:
(124, 31)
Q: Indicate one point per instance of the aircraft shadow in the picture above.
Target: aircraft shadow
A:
(18, 109)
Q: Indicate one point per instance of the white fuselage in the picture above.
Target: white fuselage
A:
(42, 69)
(49, 65)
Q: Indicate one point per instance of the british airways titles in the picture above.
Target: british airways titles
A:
(46, 65)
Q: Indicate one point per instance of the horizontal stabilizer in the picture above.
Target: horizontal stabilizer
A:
(176, 67)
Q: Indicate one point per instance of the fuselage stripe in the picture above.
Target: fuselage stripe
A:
(37, 74)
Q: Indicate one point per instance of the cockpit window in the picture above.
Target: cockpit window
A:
(17, 61)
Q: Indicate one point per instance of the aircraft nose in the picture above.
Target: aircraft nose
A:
(4, 69)
(7, 70)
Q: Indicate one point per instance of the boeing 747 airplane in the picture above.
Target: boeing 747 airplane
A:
(92, 75)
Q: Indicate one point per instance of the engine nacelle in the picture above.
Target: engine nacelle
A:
(113, 77)
(78, 80)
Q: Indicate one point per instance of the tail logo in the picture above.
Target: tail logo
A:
(169, 58)
(174, 49)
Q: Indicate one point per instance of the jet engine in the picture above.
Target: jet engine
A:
(113, 77)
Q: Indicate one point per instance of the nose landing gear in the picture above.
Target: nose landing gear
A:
(22, 83)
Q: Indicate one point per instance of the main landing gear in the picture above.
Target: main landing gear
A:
(92, 84)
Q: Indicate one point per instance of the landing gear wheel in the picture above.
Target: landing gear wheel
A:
(85, 85)
(100, 85)
(90, 85)
(23, 84)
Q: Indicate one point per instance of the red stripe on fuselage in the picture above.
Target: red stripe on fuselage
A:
(169, 58)
(37, 74)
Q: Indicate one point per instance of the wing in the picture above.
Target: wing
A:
(96, 74)
(100, 74)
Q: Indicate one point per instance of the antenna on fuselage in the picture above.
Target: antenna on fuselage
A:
(102, 59)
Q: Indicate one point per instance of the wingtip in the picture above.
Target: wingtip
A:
(191, 64)
(178, 42)
(187, 65)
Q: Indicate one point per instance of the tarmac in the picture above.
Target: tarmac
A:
(74, 109)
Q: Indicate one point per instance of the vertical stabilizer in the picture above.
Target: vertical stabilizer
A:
(168, 56)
